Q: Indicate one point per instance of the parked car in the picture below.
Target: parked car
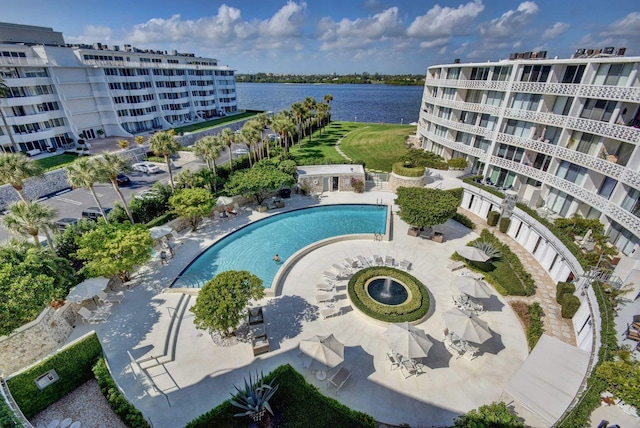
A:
(241, 152)
(146, 194)
(93, 213)
(145, 167)
(63, 223)
(123, 180)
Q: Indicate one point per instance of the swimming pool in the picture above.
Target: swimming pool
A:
(252, 247)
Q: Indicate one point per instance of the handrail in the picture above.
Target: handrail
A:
(6, 393)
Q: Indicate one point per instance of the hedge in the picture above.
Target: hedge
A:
(570, 305)
(405, 171)
(564, 288)
(457, 163)
(536, 326)
(296, 402)
(7, 418)
(492, 218)
(73, 366)
(415, 309)
(464, 220)
(505, 222)
(126, 411)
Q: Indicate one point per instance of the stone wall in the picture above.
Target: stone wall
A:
(396, 181)
(38, 338)
(315, 184)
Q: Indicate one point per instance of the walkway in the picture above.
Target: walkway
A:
(554, 324)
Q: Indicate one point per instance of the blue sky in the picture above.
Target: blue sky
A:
(341, 36)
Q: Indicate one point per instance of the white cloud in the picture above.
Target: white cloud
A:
(435, 43)
(445, 21)
(557, 29)
(511, 22)
(629, 26)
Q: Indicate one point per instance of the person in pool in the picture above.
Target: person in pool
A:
(276, 258)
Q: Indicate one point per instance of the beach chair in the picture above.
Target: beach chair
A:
(331, 275)
(350, 263)
(107, 298)
(388, 261)
(339, 379)
(405, 265)
(376, 260)
(324, 297)
(89, 317)
(324, 287)
(340, 270)
(330, 312)
(363, 261)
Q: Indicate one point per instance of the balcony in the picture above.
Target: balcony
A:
(618, 132)
(567, 89)
(459, 126)
(519, 168)
(579, 192)
(461, 105)
(491, 85)
(526, 143)
(623, 217)
(536, 117)
(619, 93)
(4, 61)
(459, 147)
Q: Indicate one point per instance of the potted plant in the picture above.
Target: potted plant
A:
(254, 398)
(100, 133)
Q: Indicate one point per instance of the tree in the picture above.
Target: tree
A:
(222, 301)
(108, 167)
(15, 168)
(250, 134)
(323, 114)
(164, 144)
(193, 205)
(264, 121)
(310, 104)
(257, 182)
(283, 126)
(83, 174)
(424, 207)
(299, 112)
(228, 138)
(208, 149)
(494, 415)
(4, 93)
(115, 249)
(30, 218)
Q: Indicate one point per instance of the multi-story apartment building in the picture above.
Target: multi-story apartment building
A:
(59, 93)
(563, 133)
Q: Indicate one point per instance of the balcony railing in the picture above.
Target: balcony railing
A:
(618, 132)
(161, 65)
(519, 168)
(579, 192)
(459, 126)
(491, 85)
(623, 217)
(537, 117)
(545, 88)
(526, 143)
(22, 61)
(459, 147)
(619, 93)
(461, 105)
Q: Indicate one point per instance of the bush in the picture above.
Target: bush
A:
(464, 220)
(7, 418)
(357, 185)
(407, 171)
(414, 309)
(564, 288)
(457, 163)
(536, 326)
(72, 364)
(457, 192)
(504, 224)
(492, 218)
(126, 411)
(570, 305)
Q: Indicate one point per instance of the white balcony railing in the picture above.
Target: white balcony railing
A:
(579, 192)
(537, 117)
(519, 168)
(546, 88)
(491, 85)
(459, 147)
(459, 126)
(618, 93)
(618, 132)
(461, 105)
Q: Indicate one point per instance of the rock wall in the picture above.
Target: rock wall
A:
(396, 181)
(37, 339)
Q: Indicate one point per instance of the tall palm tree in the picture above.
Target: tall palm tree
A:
(284, 126)
(109, 166)
(208, 149)
(83, 174)
(29, 218)
(228, 138)
(165, 144)
(15, 168)
(309, 104)
(299, 112)
(327, 99)
(4, 93)
(323, 113)
(250, 134)
(264, 122)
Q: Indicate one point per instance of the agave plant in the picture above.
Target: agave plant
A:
(254, 397)
(489, 249)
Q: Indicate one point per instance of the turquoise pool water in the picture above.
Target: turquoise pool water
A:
(252, 248)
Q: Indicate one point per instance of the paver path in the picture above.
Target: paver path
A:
(554, 324)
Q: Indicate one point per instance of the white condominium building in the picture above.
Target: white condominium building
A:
(563, 133)
(58, 93)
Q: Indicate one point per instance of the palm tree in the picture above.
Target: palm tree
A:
(4, 93)
(15, 168)
(299, 112)
(327, 99)
(29, 218)
(323, 113)
(208, 149)
(309, 105)
(109, 166)
(264, 121)
(250, 134)
(284, 126)
(83, 174)
(165, 144)
(228, 138)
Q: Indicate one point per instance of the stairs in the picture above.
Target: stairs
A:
(608, 278)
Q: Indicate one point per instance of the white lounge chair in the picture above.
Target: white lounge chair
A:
(388, 261)
(351, 263)
(455, 265)
(377, 260)
(89, 317)
(330, 312)
(363, 262)
(324, 297)
(339, 379)
(324, 287)
(110, 297)
(340, 270)
(331, 275)
(405, 265)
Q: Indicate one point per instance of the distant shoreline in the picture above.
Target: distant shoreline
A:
(365, 79)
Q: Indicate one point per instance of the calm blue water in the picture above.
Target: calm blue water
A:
(352, 103)
(252, 248)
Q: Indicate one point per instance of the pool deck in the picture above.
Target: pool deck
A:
(187, 374)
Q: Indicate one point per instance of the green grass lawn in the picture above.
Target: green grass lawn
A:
(322, 150)
(55, 162)
(377, 146)
(215, 122)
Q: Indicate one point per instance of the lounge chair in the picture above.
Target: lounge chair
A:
(324, 297)
(377, 260)
(330, 312)
(363, 262)
(395, 362)
(405, 265)
(324, 287)
(260, 345)
(633, 334)
(340, 270)
(107, 298)
(89, 317)
(388, 261)
(339, 379)
(455, 265)
(470, 351)
(255, 315)
(351, 263)
(331, 275)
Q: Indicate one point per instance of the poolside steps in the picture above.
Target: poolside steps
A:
(171, 338)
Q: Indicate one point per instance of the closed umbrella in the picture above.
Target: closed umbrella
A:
(158, 232)
(321, 352)
(472, 287)
(407, 340)
(87, 289)
(224, 201)
(466, 326)
(473, 253)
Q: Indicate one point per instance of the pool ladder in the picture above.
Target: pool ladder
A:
(377, 236)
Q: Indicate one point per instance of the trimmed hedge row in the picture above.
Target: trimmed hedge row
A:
(126, 411)
(457, 163)
(7, 418)
(415, 309)
(73, 366)
(570, 305)
(492, 218)
(505, 222)
(296, 402)
(405, 171)
(536, 326)
(464, 220)
(563, 288)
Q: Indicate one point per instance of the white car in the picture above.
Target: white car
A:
(242, 152)
(151, 193)
(146, 167)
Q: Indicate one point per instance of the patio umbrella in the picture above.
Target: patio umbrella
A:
(473, 253)
(321, 352)
(87, 289)
(472, 287)
(158, 232)
(466, 326)
(407, 340)
(223, 201)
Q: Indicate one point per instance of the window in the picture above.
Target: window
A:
(444, 113)
(447, 93)
(622, 238)
(587, 143)
(535, 73)
(473, 96)
(468, 117)
(559, 202)
(501, 73)
(479, 73)
(612, 74)
(607, 186)
(488, 121)
(511, 153)
(598, 109)
(571, 172)
(573, 74)
(453, 73)
(518, 128)
(526, 102)
(562, 105)
(494, 98)
(630, 202)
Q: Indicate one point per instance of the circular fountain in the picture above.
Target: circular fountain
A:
(387, 291)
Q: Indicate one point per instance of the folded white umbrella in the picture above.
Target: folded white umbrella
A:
(87, 289)
(223, 201)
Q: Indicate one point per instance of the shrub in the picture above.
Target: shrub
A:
(126, 411)
(564, 288)
(7, 418)
(457, 163)
(457, 192)
(464, 220)
(504, 224)
(407, 171)
(492, 218)
(536, 327)
(357, 185)
(72, 364)
(414, 309)
(570, 305)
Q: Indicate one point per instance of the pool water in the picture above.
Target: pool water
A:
(253, 247)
